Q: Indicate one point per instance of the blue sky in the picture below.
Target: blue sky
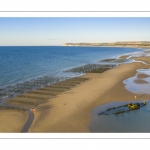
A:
(56, 31)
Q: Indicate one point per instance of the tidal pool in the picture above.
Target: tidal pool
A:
(128, 122)
(140, 83)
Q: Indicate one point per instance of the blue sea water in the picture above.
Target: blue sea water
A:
(23, 63)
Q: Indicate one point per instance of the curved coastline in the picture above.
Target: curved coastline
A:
(73, 110)
(70, 111)
(95, 127)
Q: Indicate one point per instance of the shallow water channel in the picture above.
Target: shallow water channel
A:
(134, 121)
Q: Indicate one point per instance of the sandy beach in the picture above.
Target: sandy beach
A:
(71, 111)
(12, 120)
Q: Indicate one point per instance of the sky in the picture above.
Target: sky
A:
(57, 31)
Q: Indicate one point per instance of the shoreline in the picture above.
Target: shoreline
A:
(71, 112)
(12, 84)
(138, 47)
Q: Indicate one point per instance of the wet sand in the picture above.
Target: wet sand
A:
(71, 112)
(142, 75)
(145, 59)
(139, 81)
(124, 56)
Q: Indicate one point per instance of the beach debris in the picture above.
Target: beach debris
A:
(123, 108)
(134, 106)
(144, 103)
(119, 112)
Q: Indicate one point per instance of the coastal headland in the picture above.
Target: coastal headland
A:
(70, 110)
(139, 44)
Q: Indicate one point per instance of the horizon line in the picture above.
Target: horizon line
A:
(79, 43)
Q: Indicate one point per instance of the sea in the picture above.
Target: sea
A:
(25, 68)
(22, 64)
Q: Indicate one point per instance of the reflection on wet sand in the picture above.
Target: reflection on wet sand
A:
(139, 81)
(142, 75)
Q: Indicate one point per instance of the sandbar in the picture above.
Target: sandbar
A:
(139, 81)
(140, 75)
(144, 59)
(124, 56)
